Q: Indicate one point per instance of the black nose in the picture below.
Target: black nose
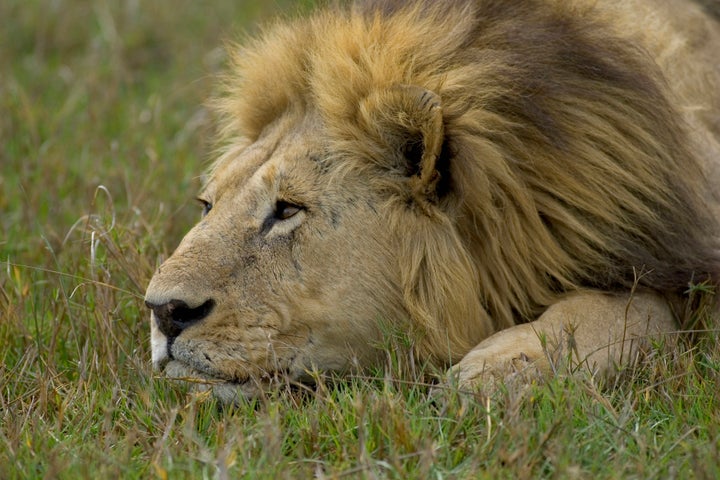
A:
(175, 316)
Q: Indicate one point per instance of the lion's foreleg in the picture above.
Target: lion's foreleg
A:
(590, 330)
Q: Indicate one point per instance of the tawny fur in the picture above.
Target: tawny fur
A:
(499, 156)
(570, 154)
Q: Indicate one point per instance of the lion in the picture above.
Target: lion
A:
(479, 174)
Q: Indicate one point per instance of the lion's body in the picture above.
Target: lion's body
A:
(457, 168)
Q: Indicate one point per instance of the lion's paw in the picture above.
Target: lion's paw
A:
(478, 373)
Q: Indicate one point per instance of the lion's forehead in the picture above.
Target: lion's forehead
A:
(282, 160)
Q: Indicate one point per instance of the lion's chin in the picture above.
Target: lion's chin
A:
(226, 391)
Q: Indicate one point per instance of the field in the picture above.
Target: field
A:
(104, 134)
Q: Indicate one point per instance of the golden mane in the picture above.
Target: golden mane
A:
(565, 164)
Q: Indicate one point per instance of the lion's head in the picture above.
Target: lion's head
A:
(450, 184)
(295, 262)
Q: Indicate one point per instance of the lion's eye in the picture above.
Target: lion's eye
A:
(285, 210)
(206, 206)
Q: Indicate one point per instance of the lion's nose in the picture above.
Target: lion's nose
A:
(175, 316)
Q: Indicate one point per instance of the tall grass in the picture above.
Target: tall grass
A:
(103, 135)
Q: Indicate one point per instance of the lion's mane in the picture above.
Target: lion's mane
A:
(565, 162)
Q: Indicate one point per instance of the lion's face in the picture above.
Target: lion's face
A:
(289, 270)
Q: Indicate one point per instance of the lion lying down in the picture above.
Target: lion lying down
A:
(481, 174)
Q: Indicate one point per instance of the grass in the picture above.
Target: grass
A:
(103, 135)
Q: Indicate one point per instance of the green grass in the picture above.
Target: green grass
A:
(103, 135)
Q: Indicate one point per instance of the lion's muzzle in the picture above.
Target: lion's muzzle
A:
(176, 315)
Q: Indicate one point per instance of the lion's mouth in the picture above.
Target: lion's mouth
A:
(178, 370)
(229, 391)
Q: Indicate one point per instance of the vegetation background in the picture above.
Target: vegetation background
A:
(103, 134)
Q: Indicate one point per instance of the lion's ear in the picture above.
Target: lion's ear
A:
(409, 119)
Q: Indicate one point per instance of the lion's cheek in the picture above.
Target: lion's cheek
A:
(342, 329)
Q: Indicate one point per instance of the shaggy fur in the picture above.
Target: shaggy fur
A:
(566, 163)
(514, 151)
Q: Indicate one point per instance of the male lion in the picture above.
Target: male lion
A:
(478, 173)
